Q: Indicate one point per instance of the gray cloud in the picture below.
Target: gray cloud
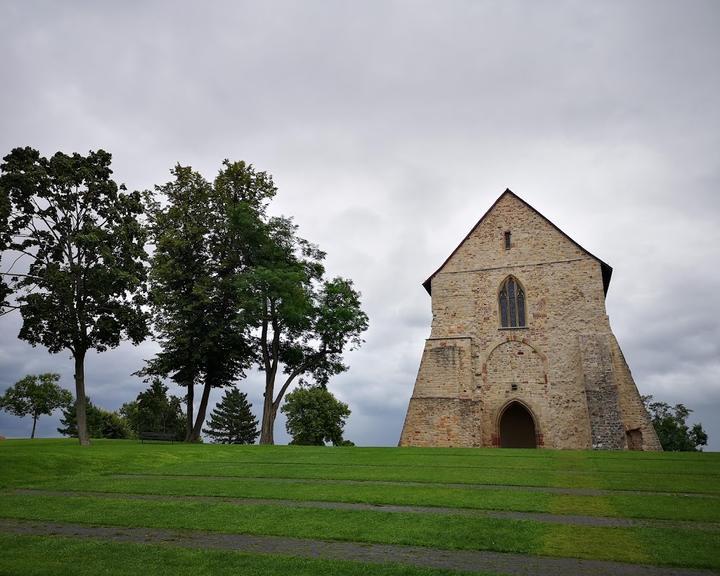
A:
(390, 128)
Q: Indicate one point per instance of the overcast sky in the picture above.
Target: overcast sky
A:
(390, 128)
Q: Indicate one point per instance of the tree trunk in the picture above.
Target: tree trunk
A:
(271, 407)
(80, 403)
(268, 416)
(189, 423)
(200, 420)
(35, 419)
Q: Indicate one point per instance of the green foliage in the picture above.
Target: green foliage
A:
(232, 421)
(305, 322)
(101, 423)
(155, 411)
(86, 249)
(315, 416)
(77, 234)
(198, 306)
(35, 395)
(129, 413)
(670, 423)
(231, 286)
(5, 210)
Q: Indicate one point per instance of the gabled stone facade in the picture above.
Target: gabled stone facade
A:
(558, 380)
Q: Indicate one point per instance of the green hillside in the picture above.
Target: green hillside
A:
(121, 507)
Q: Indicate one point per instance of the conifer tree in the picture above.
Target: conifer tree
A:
(232, 422)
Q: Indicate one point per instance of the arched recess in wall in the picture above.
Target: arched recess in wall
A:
(515, 362)
(517, 426)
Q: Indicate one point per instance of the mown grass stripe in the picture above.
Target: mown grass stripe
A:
(29, 555)
(460, 485)
(453, 532)
(590, 472)
(473, 561)
(624, 506)
(573, 519)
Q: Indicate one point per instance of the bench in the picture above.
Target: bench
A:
(157, 437)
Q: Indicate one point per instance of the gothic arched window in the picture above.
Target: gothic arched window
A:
(512, 304)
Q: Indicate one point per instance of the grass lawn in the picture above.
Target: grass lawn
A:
(364, 475)
(39, 556)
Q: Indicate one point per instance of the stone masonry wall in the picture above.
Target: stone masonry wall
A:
(635, 416)
(445, 368)
(436, 412)
(438, 422)
(471, 359)
(606, 427)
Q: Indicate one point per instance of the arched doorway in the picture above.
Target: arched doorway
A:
(517, 427)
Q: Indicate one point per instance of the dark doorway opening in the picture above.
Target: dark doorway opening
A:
(634, 439)
(517, 427)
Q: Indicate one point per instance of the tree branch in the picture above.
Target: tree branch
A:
(294, 374)
(18, 274)
(13, 264)
(275, 340)
(263, 341)
(11, 308)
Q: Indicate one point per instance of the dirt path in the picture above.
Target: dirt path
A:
(499, 563)
(535, 516)
(547, 489)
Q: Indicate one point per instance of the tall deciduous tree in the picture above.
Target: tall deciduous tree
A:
(179, 276)
(232, 421)
(35, 396)
(304, 323)
(83, 247)
(204, 234)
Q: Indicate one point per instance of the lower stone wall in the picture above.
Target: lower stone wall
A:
(639, 430)
(606, 426)
(445, 368)
(600, 407)
(442, 422)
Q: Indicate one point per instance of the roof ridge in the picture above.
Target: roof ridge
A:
(606, 268)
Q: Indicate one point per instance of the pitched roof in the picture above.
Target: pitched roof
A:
(606, 268)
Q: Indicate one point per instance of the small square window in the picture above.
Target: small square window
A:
(513, 387)
(508, 237)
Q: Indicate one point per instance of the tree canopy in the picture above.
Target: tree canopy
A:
(35, 395)
(154, 410)
(101, 423)
(670, 423)
(77, 251)
(230, 287)
(304, 322)
(315, 416)
(204, 234)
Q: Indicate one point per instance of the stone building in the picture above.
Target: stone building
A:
(521, 353)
